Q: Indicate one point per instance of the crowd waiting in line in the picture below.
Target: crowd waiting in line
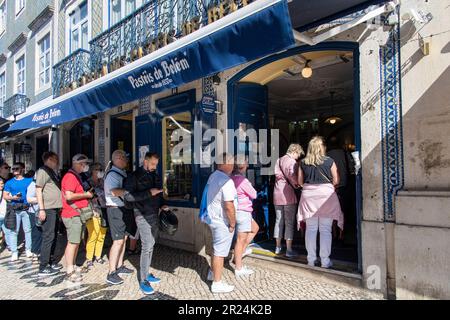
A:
(88, 198)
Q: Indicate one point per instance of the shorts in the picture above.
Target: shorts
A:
(222, 238)
(116, 223)
(74, 229)
(244, 221)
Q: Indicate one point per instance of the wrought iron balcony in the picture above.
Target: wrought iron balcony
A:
(72, 72)
(154, 25)
(15, 105)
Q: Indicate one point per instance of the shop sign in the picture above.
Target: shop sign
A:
(208, 104)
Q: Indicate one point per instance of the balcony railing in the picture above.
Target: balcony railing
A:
(151, 27)
(15, 105)
(71, 72)
(154, 25)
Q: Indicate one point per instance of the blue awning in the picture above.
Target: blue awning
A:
(261, 28)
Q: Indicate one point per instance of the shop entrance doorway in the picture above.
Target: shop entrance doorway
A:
(122, 135)
(277, 93)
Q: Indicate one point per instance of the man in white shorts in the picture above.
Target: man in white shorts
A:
(222, 203)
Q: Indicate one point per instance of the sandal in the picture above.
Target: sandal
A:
(73, 277)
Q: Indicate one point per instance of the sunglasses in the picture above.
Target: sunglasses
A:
(16, 168)
(6, 168)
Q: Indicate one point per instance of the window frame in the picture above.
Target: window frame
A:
(3, 72)
(68, 33)
(5, 13)
(107, 11)
(46, 31)
(19, 10)
(179, 103)
(20, 54)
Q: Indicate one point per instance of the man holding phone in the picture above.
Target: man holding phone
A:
(143, 192)
(16, 192)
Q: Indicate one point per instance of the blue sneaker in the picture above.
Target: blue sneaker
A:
(152, 279)
(146, 288)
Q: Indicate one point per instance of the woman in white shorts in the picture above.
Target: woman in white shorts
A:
(246, 227)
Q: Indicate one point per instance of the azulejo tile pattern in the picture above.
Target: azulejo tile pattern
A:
(391, 119)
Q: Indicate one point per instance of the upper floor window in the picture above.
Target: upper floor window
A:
(79, 35)
(20, 5)
(2, 17)
(44, 61)
(20, 75)
(2, 89)
(119, 9)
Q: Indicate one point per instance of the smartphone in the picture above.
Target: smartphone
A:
(19, 194)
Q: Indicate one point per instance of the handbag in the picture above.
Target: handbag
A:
(10, 218)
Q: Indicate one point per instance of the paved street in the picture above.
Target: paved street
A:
(183, 277)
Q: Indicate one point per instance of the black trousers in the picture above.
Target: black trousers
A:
(49, 232)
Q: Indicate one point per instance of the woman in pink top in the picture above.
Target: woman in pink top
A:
(246, 227)
(285, 199)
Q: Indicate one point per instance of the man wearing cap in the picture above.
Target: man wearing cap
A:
(117, 216)
(74, 195)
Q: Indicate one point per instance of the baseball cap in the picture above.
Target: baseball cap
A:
(79, 158)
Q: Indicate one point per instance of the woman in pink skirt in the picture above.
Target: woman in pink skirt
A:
(319, 204)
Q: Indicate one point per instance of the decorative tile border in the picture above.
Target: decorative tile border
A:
(391, 119)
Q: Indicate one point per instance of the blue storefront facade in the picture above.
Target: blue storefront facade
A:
(130, 83)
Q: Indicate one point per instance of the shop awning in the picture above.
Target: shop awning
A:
(309, 14)
(256, 30)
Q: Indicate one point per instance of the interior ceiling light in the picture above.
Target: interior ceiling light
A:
(307, 71)
(333, 119)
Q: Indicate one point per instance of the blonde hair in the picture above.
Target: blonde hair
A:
(316, 152)
(295, 148)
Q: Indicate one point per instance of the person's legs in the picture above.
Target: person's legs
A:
(92, 238)
(36, 234)
(11, 235)
(251, 235)
(289, 221)
(239, 249)
(100, 242)
(311, 238)
(117, 230)
(279, 225)
(325, 225)
(26, 225)
(48, 237)
(217, 267)
(122, 252)
(147, 243)
(114, 254)
(6, 234)
(74, 230)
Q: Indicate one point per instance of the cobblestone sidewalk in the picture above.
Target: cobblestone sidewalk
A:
(183, 276)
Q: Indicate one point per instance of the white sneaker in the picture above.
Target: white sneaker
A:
(210, 276)
(247, 252)
(328, 265)
(14, 257)
(277, 250)
(29, 254)
(244, 271)
(221, 287)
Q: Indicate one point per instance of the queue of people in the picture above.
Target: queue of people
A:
(304, 197)
(90, 202)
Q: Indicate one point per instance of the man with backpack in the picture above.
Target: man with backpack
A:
(117, 216)
(48, 194)
(218, 210)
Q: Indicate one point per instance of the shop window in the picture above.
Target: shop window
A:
(176, 156)
(82, 138)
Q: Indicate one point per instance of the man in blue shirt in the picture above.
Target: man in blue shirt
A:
(16, 192)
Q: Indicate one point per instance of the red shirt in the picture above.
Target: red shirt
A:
(71, 183)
